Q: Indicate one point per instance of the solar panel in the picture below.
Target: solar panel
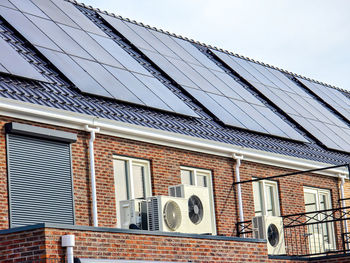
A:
(226, 99)
(52, 11)
(93, 62)
(74, 72)
(293, 100)
(134, 38)
(59, 37)
(12, 63)
(120, 55)
(3, 69)
(28, 7)
(91, 46)
(26, 28)
(107, 80)
(80, 19)
(333, 97)
(7, 4)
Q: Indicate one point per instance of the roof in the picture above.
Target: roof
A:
(59, 92)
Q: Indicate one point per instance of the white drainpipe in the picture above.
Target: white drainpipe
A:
(238, 159)
(92, 172)
(68, 241)
(342, 196)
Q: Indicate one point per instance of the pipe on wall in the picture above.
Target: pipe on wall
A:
(68, 241)
(92, 172)
(238, 159)
(342, 196)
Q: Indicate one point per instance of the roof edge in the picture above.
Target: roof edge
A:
(62, 118)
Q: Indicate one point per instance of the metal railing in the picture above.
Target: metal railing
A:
(310, 234)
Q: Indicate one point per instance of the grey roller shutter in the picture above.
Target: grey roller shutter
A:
(40, 181)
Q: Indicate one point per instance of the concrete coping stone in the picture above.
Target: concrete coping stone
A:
(127, 231)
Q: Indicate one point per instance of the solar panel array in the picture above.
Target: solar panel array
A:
(333, 97)
(91, 60)
(97, 65)
(225, 98)
(12, 63)
(293, 100)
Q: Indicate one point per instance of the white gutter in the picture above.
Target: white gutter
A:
(342, 196)
(238, 159)
(63, 118)
(92, 172)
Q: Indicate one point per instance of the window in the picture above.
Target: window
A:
(132, 180)
(194, 177)
(266, 198)
(321, 235)
(200, 177)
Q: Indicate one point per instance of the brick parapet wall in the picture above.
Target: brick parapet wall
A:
(43, 243)
(107, 245)
(22, 246)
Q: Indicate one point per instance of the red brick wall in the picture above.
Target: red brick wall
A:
(22, 246)
(45, 243)
(165, 171)
(158, 248)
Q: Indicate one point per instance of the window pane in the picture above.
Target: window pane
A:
(187, 177)
(202, 180)
(121, 180)
(323, 206)
(257, 199)
(323, 202)
(138, 172)
(270, 200)
(310, 202)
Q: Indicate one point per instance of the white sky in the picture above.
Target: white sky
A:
(308, 37)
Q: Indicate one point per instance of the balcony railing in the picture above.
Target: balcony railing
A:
(316, 233)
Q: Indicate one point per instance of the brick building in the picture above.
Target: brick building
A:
(97, 111)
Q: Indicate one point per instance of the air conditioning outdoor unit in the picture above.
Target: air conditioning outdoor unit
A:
(167, 214)
(271, 229)
(133, 214)
(198, 202)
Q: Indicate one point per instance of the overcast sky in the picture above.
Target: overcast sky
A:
(308, 37)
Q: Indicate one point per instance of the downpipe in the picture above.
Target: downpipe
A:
(238, 159)
(342, 196)
(92, 172)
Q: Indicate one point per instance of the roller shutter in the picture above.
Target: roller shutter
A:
(40, 181)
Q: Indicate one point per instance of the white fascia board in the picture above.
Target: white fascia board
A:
(42, 114)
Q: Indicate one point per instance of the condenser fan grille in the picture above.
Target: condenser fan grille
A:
(172, 215)
(195, 209)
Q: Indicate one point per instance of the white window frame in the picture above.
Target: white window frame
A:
(318, 191)
(208, 173)
(262, 185)
(327, 192)
(147, 177)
